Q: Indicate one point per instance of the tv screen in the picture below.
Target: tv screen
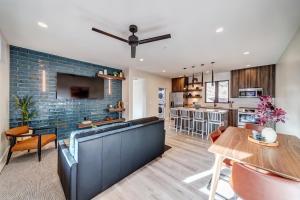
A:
(79, 87)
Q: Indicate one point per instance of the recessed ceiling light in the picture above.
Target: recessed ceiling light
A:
(246, 53)
(220, 30)
(248, 65)
(141, 59)
(163, 71)
(42, 24)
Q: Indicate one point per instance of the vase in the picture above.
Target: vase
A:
(269, 135)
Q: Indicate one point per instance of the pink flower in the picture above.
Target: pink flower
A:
(267, 112)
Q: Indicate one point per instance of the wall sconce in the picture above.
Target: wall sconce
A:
(109, 86)
(43, 80)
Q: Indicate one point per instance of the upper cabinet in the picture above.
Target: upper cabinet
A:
(255, 77)
(178, 84)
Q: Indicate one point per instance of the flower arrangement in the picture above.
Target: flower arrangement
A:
(269, 113)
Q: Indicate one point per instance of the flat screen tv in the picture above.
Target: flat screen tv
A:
(79, 87)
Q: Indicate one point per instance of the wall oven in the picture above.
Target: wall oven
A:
(250, 92)
(247, 116)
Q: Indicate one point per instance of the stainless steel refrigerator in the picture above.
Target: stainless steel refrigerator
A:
(176, 99)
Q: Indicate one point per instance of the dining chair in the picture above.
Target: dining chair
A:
(250, 184)
(215, 120)
(227, 162)
(185, 120)
(174, 116)
(30, 141)
(199, 123)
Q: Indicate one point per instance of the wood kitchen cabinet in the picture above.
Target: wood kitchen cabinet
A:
(255, 77)
(233, 117)
(178, 84)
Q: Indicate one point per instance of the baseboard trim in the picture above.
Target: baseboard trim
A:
(3, 159)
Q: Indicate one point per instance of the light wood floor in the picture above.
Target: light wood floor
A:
(179, 174)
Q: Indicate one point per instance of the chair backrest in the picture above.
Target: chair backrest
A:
(174, 112)
(250, 184)
(254, 127)
(184, 113)
(198, 115)
(214, 135)
(221, 129)
(18, 130)
(213, 116)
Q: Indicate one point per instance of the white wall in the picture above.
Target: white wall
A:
(152, 83)
(4, 98)
(288, 86)
(139, 99)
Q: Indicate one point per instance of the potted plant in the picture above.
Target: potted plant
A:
(25, 106)
(269, 115)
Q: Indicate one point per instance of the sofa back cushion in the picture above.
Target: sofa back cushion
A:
(91, 131)
(142, 120)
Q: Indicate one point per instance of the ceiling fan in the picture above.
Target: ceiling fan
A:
(133, 40)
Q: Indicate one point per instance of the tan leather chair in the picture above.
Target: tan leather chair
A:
(250, 184)
(30, 141)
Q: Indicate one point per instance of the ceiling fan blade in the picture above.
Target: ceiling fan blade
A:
(109, 35)
(133, 51)
(153, 39)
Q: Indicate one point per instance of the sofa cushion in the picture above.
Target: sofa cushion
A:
(91, 131)
(142, 120)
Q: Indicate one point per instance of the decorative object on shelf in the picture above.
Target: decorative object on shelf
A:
(115, 73)
(86, 121)
(269, 115)
(121, 74)
(109, 106)
(105, 72)
(26, 107)
(100, 73)
(212, 73)
(109, 77)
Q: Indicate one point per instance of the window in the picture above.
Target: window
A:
(217, 92)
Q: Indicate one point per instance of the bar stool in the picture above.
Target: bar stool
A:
(214, 120)
(185, 120)
(199, 123)
(174, 114)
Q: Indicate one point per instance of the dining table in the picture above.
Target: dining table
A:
(282, 160)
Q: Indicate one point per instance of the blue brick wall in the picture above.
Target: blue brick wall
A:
(26, 79)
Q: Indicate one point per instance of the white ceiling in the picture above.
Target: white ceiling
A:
(262, 27)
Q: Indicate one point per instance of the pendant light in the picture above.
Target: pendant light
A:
(202, 65)
(212, 73)
(185, 84)
(193, 78)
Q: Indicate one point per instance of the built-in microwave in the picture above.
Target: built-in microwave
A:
(250, 92)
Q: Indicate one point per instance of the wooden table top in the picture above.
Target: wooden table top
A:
(283, 160)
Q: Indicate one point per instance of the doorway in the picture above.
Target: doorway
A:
(138, 98)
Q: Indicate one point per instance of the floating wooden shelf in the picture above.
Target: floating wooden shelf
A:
(195, 83)
(194, 97)
(110, 77)
(116, 110)
(193, 90)
(99, 123)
